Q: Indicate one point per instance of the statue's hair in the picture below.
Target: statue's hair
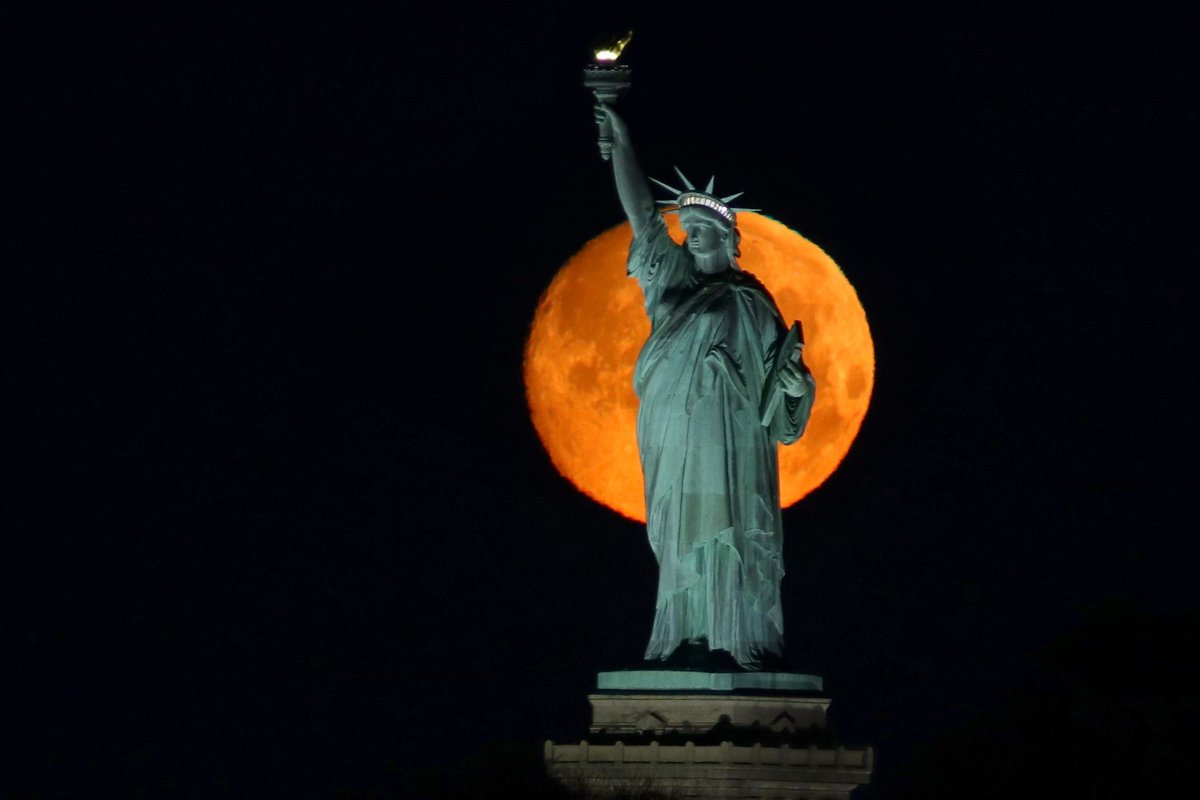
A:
(733, 249)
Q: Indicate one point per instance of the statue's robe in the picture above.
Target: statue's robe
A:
(710, 466)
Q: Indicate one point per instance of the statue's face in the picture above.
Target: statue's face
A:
(705, 236)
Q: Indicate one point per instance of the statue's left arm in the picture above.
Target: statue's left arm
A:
(797, 389)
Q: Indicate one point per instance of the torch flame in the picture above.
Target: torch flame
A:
(611, 50)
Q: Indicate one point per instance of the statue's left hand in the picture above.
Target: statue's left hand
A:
(794, 377)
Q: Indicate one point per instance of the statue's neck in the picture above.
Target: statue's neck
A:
(711, 263)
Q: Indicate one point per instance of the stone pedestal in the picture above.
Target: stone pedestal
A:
(694, 734)
(631, 713)
(713, 771)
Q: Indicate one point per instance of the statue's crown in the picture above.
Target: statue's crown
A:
(691, 196)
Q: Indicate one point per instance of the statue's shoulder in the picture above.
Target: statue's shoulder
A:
(747, 281)
(751, 291)
(748, 284)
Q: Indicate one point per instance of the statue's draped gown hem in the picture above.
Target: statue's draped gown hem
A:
(710, 465)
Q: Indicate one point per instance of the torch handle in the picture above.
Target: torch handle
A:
(605, 139)
(607, 86)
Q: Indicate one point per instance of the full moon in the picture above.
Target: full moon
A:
(590, 325)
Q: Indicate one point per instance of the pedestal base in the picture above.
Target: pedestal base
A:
(723, 771)
(625, 713)
(695, 734)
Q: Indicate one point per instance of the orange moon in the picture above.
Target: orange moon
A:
(590, 325)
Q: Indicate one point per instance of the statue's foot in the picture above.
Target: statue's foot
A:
(771, 662)
(697, 657)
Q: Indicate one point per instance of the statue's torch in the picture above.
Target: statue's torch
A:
(608, 80)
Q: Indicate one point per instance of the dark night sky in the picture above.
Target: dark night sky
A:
(281, 521)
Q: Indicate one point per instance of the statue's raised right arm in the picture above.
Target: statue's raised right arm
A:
(632, 187)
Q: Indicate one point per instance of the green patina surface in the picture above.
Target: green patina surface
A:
(720, 384)
(676, 680)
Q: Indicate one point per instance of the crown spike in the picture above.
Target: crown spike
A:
(732, 197)
(683, 178)
(708, 189)
(670, 189)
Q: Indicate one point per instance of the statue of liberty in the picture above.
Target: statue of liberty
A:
(720, 381)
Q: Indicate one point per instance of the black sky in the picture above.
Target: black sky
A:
(279, 516)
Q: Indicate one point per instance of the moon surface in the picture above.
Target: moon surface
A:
(590, 325)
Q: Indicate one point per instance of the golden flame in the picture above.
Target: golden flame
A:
(611, 51)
